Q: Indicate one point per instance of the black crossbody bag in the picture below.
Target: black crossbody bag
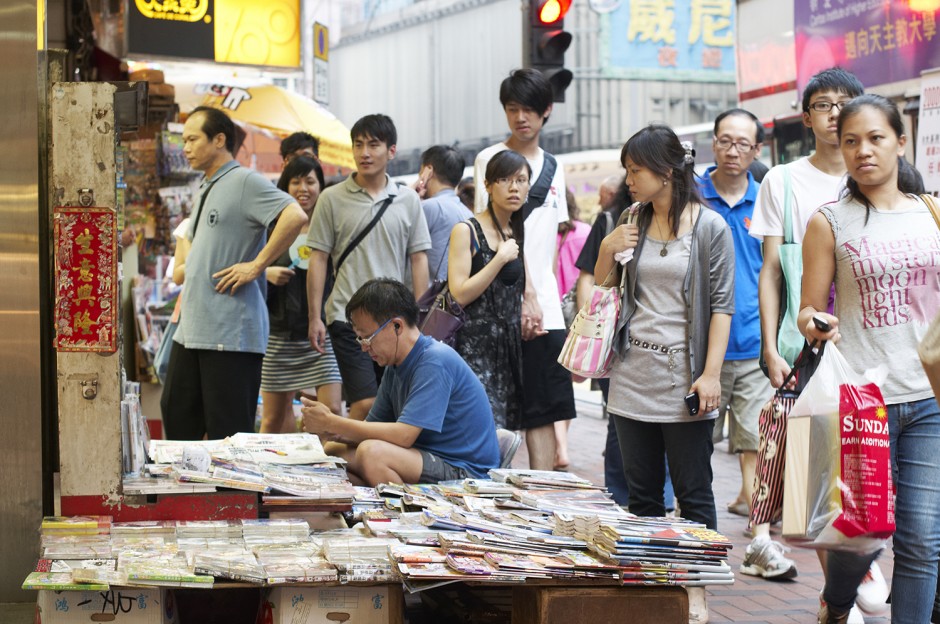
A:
(365, 231)
(539, 191)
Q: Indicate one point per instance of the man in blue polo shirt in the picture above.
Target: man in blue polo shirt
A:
(730, 190)
(431, 420)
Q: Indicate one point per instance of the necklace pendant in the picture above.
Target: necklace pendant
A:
(663, 252)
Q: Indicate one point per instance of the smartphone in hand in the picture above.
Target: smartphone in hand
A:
(692, 403)
(821, 324)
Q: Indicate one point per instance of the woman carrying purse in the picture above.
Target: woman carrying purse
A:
(673, 328)
(486, 276)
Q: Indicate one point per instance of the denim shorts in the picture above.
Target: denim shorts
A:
(434, 469)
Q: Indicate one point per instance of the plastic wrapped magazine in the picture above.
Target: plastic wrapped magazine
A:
(59, 581)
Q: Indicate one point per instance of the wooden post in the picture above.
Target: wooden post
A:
(89, 384)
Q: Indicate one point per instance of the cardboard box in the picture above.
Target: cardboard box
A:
(122, 606)
(374, 604)
(150, 75)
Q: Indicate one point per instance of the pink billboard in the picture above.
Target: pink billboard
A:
(880, 41)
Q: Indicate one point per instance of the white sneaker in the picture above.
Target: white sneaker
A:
(764, 557)
(855, 616)
(873, 592)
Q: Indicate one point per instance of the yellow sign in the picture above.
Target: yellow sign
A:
(248, 32)
(321, 41)
(181, 10)
(258, 33)
(40, 24)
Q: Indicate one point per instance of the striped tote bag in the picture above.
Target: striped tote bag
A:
(588, 348)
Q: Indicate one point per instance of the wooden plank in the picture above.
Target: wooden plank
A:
(208, 506)
(563, 605)
(82, 156)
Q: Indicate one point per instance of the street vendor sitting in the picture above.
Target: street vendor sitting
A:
(431, 420)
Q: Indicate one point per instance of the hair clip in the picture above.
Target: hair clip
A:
(689, 152)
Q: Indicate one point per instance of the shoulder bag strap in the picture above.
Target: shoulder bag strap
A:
(787, 208)
(931, 202)
(202, 199)
(475, 232)
(365, 231)
(440, 262)
(539, 191)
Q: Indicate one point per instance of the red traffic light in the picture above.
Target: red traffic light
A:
(551, 11)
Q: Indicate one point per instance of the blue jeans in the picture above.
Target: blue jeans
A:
(614, 478)
(688, 448)
(915, 441)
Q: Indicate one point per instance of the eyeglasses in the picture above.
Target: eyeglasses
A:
(825, 107)
(507, 182)
(367, 342)
(725, 144)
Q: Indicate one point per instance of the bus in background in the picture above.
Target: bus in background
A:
(789, 139)
(586, 171)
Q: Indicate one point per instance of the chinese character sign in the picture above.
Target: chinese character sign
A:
(928, 132)
(670, 40)
(85, 279)
(879, 41)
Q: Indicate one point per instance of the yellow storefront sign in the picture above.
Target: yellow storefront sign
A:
(258, 33)
(247, 32)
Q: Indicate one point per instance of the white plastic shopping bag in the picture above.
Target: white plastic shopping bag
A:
(838, 492)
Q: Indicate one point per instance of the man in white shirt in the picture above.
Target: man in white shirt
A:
(527, 97)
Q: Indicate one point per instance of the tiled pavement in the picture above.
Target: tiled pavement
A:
(749, 600)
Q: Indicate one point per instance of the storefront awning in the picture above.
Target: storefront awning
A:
(282, 112)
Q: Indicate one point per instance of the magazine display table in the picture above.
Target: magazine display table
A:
(524, 547)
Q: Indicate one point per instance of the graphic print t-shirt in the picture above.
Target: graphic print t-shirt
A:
(887, 290)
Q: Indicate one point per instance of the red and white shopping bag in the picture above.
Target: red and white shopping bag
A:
(838, 492)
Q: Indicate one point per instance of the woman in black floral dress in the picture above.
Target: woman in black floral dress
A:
(486, 275)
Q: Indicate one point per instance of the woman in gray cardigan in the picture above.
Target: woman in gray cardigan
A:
(673, 328)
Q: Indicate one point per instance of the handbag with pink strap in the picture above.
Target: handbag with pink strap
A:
(588, 349)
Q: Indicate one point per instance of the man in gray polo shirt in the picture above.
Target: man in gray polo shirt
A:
(215, 366)
(398, 239)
